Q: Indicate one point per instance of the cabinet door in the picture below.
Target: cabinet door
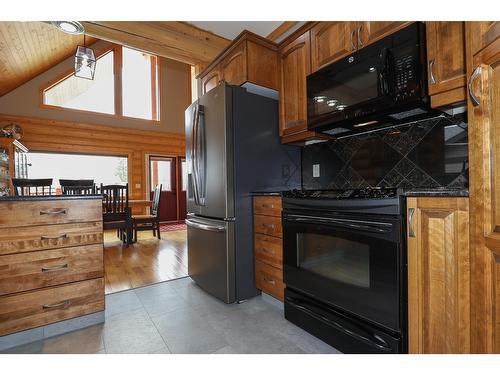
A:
(446, 61)
(484, 159)
(295, 60)
(370, 31)
(331, 41)
(234, 66)
(210, 80)
(438, 275)
(482, 34)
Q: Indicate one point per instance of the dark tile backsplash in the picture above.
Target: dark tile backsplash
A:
(425, 154)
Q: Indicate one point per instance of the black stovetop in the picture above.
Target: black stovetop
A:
(366, 193)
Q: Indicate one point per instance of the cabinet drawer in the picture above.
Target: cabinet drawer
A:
(33, 309)
(43, 237)
(269, 279)
(27, 213)
(39, 269)
(269, 225)
(269, 250)
(267, 206)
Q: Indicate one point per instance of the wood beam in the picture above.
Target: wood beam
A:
(281, 29)
(175, 40)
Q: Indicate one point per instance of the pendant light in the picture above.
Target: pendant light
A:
(85, 61)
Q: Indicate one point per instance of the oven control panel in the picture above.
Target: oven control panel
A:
(367, 193)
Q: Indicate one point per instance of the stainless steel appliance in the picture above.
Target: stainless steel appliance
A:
(384, 83)
(345, 267)
(232, 148)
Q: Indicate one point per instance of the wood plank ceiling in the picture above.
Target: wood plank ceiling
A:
(30, 48)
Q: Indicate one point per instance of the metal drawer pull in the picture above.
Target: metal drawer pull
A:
(58, 211)
(267, 251)
(265, 225)
(56, 305)
(475, 100)
(55, 268)
(352, 40)
(54, 237)
(360, 42)
(431, 72)
(272, 282)
(411, 232)
(266, 205)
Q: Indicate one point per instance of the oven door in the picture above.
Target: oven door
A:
(347, 261)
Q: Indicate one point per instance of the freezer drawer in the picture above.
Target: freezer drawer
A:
(211, 256)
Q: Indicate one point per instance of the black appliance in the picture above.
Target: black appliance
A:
(382, 84)
(345, 267)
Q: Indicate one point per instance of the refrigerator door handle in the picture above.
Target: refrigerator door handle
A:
(194, 154)
(204, 226)
(201, 154)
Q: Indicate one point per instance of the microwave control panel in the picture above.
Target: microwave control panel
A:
(404, 77)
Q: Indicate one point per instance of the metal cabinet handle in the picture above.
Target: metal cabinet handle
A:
(272, 282)
(411, 232)
(57, 305)
(268, 205)
(353, 47)
(475, 74)
(360, 42)
(431, 72)
(265, 225)
(57, 211)
(54, 237)
(55, 268)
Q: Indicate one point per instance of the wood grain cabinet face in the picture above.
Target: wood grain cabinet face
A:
(368, 32)
(295, 59)
(446, 62)
(332, 40)
(484, 156)
(211, 80)
(483, 33)
(438, 275)
(234, 66)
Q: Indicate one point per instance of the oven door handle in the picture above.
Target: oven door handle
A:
(376, 226)
(362, 335)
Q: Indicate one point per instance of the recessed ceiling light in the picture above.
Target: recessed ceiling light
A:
(341, 107)
(69, 27)
(331, 103)
(319, 99)
(371, 69)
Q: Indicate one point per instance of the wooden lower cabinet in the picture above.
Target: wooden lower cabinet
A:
(268, 245)
(438, 275)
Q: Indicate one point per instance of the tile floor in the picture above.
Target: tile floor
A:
(178, 317)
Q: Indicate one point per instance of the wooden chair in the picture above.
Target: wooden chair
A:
(32, 186)
(151, 221)
(77, 187)
(116, 213)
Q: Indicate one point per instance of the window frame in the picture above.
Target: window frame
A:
(156, 94)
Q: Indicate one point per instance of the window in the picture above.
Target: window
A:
(194, 85)
(100, 168)
(136, 84)
(160, 172)
(184, 174)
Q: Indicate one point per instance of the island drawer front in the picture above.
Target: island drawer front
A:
(40, 269)
(43, 237)
(267, 205)
(269, 250)
(269, 225)
(22, 311)
(27, 213)
(269, 279)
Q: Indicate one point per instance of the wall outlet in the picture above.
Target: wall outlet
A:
(316, 170)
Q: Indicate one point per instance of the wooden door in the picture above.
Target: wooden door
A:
(483, 70)
(295, 61)
(234, 66)
(438, 275)
(210, 80)
(446, 62)
(162, 170)
(331, 41)
(368, 32)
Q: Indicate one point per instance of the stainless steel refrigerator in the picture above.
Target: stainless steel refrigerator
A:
(232, 148)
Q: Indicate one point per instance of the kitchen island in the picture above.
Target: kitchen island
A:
(51, 266)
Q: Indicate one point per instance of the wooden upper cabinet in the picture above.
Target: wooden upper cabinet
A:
(331, 41)
(484, 157)
(368, 32)
(438, 275)
(210, 80)
(483, 33)
(295, 66)
(234, 65)
(446, 62)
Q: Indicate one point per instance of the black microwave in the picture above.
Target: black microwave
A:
(380, 85)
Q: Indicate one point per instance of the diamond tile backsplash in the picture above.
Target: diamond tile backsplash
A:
(425, 154)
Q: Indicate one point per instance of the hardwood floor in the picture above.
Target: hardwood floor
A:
(145, 262)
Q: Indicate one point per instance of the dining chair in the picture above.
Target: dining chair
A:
(32, 186)
(116, 212)
(151, 221)
(77, 187)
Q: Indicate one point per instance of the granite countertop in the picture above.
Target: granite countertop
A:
(440, 192)
(270, 193)
(49, 197)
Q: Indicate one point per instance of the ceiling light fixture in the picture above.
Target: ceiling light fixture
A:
(69, 27)
(85, 61)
